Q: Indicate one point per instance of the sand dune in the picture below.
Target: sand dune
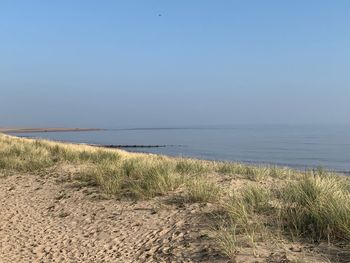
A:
(76, 203)
(47, 219)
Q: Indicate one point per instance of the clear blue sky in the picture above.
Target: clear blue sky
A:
(168, 63)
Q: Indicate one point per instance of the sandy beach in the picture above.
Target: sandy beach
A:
(50, 218)
(78, 203)
(224, 132)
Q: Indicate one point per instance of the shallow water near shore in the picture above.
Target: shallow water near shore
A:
(296, 146)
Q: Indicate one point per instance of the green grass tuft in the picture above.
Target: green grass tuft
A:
(202, 190)
(318, 206)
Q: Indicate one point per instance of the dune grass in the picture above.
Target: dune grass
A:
(268, 201)
(202, 190)
(317, 206)
(31, 155)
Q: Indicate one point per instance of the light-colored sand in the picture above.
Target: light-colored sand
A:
(47, 219)
(54, 218)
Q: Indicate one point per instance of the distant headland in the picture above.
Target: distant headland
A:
(30, 130)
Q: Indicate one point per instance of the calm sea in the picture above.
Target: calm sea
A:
(296, 146)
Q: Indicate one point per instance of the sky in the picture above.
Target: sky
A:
(162, 63)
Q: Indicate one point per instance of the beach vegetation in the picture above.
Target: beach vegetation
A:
(202, 190)
(254, 203)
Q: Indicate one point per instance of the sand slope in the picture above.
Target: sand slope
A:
(47, 219)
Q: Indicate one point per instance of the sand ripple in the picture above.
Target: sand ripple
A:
(46, 219)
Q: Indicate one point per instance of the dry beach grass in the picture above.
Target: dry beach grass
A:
(76, 203)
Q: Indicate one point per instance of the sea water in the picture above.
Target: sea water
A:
(298, 146)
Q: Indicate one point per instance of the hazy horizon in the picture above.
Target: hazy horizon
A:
(170, 64)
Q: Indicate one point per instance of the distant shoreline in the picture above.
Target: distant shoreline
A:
(33, 130)
(132, 147)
